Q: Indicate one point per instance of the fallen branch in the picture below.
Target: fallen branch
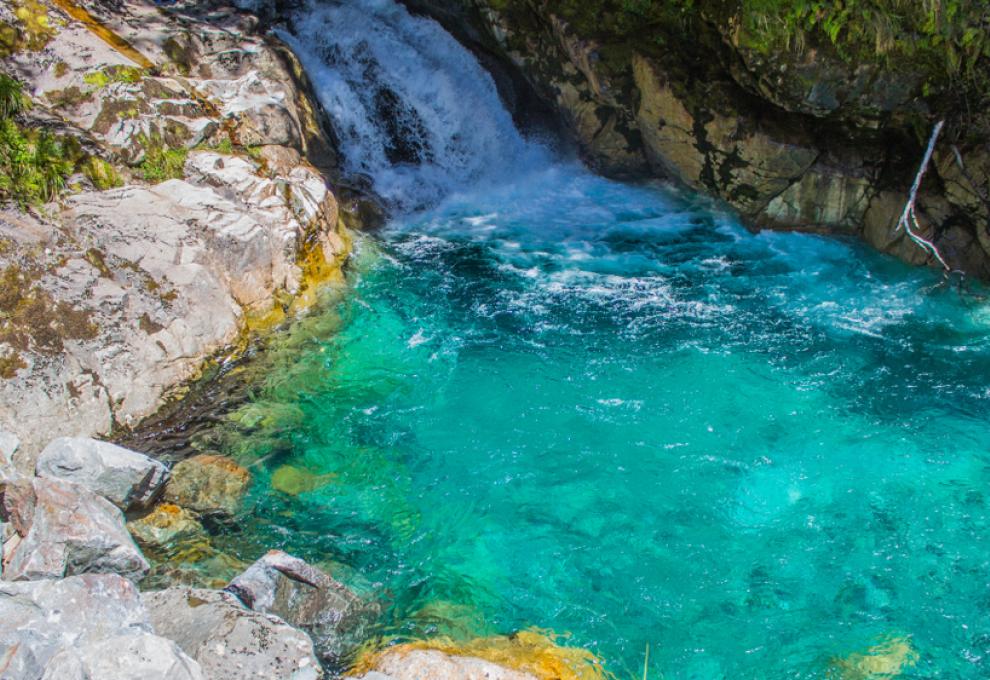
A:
(909, 217)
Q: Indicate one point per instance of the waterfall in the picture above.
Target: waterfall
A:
(413, 110)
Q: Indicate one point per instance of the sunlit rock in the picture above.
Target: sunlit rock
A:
(65, 529)
(127, 479)
(230, 641)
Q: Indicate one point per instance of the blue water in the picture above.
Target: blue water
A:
(611, 411)
(547, 399)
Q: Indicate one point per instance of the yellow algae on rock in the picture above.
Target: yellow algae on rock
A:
(887, 659)
(532, 651)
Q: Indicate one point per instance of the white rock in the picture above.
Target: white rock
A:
(128, 479)
(71, 531)
(39, 619)
(229, 641)
(125, 657)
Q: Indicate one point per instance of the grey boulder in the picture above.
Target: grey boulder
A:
(125, 657)
(229, 641)
(128, 479)
(306, 598)
(90, 627)
(63, 529)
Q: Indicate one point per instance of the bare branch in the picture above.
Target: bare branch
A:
(909, 217)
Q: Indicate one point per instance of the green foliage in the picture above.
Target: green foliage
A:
(12, 99)
(100, 173)
(162, 163)
(34, 164)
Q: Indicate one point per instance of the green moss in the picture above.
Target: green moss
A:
(32, 30)
(113, 74)
(34, 164)
(162, 163)
(100, 173)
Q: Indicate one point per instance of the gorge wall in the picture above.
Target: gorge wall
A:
(812, 121)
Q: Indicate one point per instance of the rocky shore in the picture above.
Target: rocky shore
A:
(71, 605)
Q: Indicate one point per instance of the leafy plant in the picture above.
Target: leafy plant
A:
(162, 163)
(12, 99)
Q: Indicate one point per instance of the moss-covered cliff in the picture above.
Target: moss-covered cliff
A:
(801, 114)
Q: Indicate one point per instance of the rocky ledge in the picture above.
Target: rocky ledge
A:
(71, 606)
(203, 210)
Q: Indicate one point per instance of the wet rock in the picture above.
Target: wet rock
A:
(43, 618)
(66, 530)
(229, 641)
(208, 484)
(306, 598)
(887, 659)
(128, 479)
(167, 524)
(418, 664)
(126, 657)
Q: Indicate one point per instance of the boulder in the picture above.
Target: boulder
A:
(427, 663)
(124, 657)
(166, 525)
(306, 598)
(66, 530)
(128, 479)
(229, 641)
(43, 618)
(208, 484)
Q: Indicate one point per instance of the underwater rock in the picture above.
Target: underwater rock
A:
(208, 484)
(229, 641)
(425, 663)
(293, 480)
(525, 654)
(128, 479)
(59, 628)
(307, 598)
(67, 530)
(165, 525)
(887, 659)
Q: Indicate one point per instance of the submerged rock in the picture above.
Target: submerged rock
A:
(307, 598)
(229, 641)
(208, 484)
(419, 664)
(92, 626)
(293, 480)
(887, 659)
(126, 478)
(63, 529)
(166, 525)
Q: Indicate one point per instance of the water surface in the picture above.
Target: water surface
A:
(553, 400)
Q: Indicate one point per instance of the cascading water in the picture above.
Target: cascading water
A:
(412, 109)
(553, 400)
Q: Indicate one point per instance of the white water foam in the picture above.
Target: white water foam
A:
(412, 108)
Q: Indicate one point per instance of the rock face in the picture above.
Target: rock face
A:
(84, 627)
(113, 297)
(229, 641)
(792, 137)
(128, 479)
(307, 598)
(208, 484)
(426, 663)
(62, 529)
